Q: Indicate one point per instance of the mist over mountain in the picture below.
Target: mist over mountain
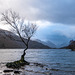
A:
(60, 35)
(48, 43)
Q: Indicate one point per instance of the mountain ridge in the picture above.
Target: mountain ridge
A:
(47, 43)
(11, 40)
(70, 46)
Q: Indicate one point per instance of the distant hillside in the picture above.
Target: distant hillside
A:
(63, 44)
(48, 43)
(10, 40)
(71, 45)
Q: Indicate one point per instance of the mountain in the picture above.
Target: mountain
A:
(47, 43)
(10, 40)
(63, 44)
(71, 45)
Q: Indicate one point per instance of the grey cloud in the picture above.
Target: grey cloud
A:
(57, 11)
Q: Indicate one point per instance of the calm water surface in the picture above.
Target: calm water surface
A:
(57, 59)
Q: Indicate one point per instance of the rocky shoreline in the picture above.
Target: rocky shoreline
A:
(32, 69)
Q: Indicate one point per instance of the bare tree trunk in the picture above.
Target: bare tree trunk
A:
(13, 19)
(24, 53)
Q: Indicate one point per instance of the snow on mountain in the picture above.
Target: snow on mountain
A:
(48, 43)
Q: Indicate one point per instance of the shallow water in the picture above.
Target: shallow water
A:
(58, 61)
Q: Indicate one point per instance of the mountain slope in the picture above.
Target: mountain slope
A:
(71, 45)
(47, 43)
(10, 40)
(64, 44)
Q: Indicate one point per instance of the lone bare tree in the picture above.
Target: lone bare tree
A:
(25, 31)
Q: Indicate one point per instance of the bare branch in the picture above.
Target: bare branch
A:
(13, 19)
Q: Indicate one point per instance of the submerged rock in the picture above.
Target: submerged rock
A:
(18, 72)
(54, 69)
(38, 64)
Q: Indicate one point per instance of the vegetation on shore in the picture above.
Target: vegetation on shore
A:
(17, 64)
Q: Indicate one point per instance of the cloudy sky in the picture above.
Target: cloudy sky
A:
(56, 18)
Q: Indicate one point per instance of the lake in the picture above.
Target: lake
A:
(58, 61)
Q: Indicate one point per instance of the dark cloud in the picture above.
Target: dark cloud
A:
(58, 11)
